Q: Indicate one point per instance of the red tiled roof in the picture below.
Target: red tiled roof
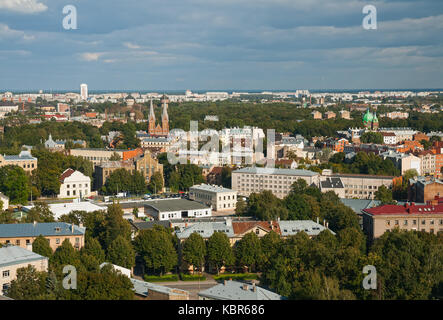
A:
(240, 227)
(216, 170)
(392, 209)
(67, 173)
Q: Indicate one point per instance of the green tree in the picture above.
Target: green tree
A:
(156, 246)
(156, 183)
(115, 157)
(384, 195)
(93, 248)
(372, 137)
(121, 253)
(41, 246)
(219, 251)
(65, 255)
(248, 251)
(14, 183)
(39, 213)
(194, 251)
(114, 225)
(29, 284)
(241, 207)
(7, 217)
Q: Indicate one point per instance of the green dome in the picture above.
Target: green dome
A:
(368, 117)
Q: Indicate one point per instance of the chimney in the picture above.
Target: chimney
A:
(35, 223)
(317, 220)
(254, 288)
(72, 228)
(245, 286)
(327, 225)
(225, 282)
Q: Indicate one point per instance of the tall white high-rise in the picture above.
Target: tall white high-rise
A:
(84, 91)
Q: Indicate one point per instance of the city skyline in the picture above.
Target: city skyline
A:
(248, 45)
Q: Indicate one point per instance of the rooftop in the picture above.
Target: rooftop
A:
(142, 288)
(234, 290)
(211, 188)
(276, 171)
(406, 209)
(292, 227)
(44, 229)
(332, 183)
(12, 255)
(169, 205)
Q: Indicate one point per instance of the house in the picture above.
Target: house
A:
(13, 258)
(217, 197)
(60, 209)
(316, 115)
(74, 184)
(167, 209)
(24, 234)
(24, 160)
(389, 138)
(234, 290)
(422, 189)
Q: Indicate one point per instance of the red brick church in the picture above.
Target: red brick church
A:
(163, 129)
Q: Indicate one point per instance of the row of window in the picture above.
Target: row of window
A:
(414, 222)
(74, 193)
(80, 185)
(361, 186)
(28, 241)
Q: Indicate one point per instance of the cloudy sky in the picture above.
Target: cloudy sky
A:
(220, 44)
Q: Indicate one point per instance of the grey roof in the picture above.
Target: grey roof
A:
(332, 183)
(13, 255)
(206, 229)
(150, 224)
(170, 205)
(142, 288)
(234, 290)
(291, 172)
(357, 205)
(24, 155)
(211, 188)
(44, 229)
(292, 227)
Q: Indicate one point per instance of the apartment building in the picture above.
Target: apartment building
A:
(279, 181)
(24, 234)
(24, 160)
(217, 197)
(13, 258)
(403, 162)
(427, 218)
(423, 189)
(359, 186)
(97, 156)
(427, 163)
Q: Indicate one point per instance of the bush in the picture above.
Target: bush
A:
(191, 277)
(236, 276)
(168, 277)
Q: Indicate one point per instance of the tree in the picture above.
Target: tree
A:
(41, 246)
(156, 183)
(248, 251)
(219, 251)
(39, 213)
(115, 157)
(93, 248)
(372, 137)
(29, 284)
(14, 183)
(157, 249)
(114, 225)
(384, 195)
(266, 206)
(241, 207)
(122, 180)
(121, 253)
(194, 251)
(7, 217)
(65, 255)
(226, 177)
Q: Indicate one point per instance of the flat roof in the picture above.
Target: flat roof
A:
(142, 288)
(169, 205)
(211, 188)
(277, 171)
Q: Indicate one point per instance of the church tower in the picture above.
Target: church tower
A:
(165, 119)
(151, 120)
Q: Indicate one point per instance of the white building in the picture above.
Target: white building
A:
(389, 138)
(167, 209)
(84, 91)
(5, 201)
(74, 184)
(217, 197)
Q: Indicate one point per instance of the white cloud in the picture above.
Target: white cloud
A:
(91, 56)
(130, 45)
(23, 6)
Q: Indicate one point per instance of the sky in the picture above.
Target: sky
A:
(150, 45)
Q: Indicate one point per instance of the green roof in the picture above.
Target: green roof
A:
(368, 117)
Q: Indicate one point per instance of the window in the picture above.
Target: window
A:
(6, 274)
(57, 241)
(396, 222)
(414, 222)
(17, 242)
(28, 241)
(423, 222)
(405, 223)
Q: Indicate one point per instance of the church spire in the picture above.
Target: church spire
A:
(165, 116)
(151, 112)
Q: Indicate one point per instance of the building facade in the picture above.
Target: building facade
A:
(217, 197)
(24, 160)
(74, 184)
